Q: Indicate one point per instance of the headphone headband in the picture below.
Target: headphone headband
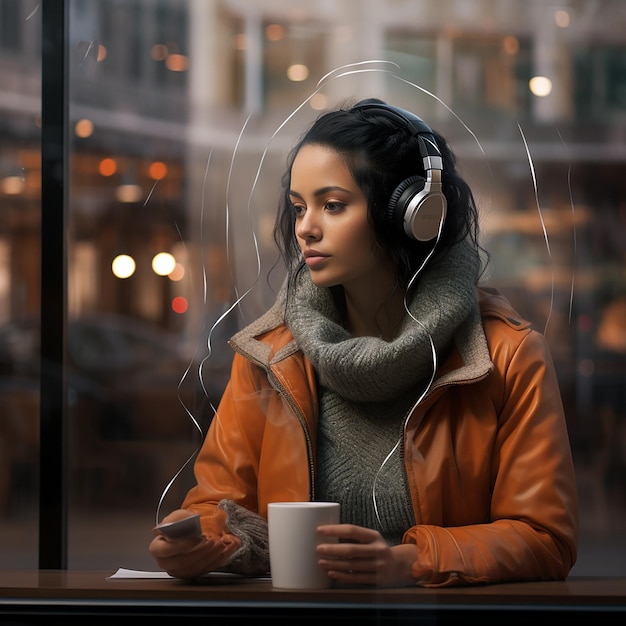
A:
(410, 121)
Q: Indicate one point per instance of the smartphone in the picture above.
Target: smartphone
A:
(186, 527)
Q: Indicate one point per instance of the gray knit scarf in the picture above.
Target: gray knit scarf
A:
(372, 369)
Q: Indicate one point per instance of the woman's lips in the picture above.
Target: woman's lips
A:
(313, 260)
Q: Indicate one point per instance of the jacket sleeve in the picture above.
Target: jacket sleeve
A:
(227, 463)
(532, 531)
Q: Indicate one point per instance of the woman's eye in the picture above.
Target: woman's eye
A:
(298, 209)
(335, 206)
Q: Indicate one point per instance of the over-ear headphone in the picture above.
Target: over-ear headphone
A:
(417, 203)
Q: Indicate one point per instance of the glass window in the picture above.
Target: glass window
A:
(600, 82)
(181, 115)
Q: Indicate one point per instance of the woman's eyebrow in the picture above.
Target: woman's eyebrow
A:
(322, 191)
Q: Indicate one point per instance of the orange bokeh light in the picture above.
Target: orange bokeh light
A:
(158, 170)
(107, 167)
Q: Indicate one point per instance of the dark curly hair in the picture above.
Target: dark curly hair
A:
(380, 154)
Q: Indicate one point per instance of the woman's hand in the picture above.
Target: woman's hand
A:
(362, 557)
(191, 556)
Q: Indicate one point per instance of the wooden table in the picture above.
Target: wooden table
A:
(74, 596)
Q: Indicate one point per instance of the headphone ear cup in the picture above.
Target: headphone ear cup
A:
(401, 198)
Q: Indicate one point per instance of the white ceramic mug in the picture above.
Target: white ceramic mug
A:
(293, 538)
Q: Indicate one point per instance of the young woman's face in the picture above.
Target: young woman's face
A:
(331, 223)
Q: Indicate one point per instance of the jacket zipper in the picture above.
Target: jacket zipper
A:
(276, 384)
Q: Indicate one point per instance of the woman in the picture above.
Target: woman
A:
(385, 379)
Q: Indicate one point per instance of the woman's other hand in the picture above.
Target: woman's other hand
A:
(362, 557)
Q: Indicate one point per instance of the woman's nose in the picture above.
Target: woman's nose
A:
(307, 227)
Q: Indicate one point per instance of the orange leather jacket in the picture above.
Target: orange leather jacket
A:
(486, 453)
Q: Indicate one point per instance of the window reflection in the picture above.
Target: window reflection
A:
(173, 108)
